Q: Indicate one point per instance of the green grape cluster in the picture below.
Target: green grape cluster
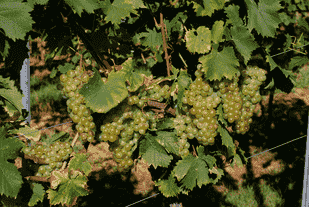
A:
(80, 114)
(201, 121)
(52, 154)
(185, 130)
(46, 170)
(156, 93)
(127, 130)
(250, 96)
(232, 105)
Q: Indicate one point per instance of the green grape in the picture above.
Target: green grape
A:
(185, 152)
(142, 131)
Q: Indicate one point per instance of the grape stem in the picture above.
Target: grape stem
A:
(194, 152)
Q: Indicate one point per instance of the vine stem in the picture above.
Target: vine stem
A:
(165, 39)
(74, 140)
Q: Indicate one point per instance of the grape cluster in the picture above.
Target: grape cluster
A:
(156, 93)
(131, 125)
(201, 121)
(250, 96)
(231, 98)
(52, 154)
(80, 114)
(185, 130)
(46, 170)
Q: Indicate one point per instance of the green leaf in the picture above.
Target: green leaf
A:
(219, 65)
(166, 123)
(80, 162)
(200, 42)
(151, 39)
(79, 5)
(53, 73)
(182, 166)
(134, 76)
(120, 9)
(227, 140)
(244, 41)
(219, 172)
(298, 61)
(237, 160)
(233, 14)
(264, 17)
(217, 31)
(209, 7)
(183, 82)
(38, 194)
(28, 132)
(6, 48)
(10, 178)
(154, 153)
(286, 19)
(221, 116)
(168, 187)
(65, 68)
(68, 190)
(40, 2)
(271, 84)
(11, 94)
(75, 59)
(168, 140)
(15, 19)
(195, 172)
(101, 97)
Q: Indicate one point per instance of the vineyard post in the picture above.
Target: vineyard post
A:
(306, 174)
(25, 84)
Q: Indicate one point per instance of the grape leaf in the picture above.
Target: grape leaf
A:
(120, 9)
(33, 2)
(134, 76)
(11, 94)
(153, 152)
(166, 123)
(183, 82)
(227, 140)
(221, 116)
(79, 5)
(28, 132)
(191, 171)
(6, 48)
(168, 140)
(220, 64)
(219, 172)
(244, 41)
(80, 162)
(217, 31)
(200, 42)
(237, 161)
(298, 61)
(15, 19)
(233, 14)
(10, 178)
(168, 187)
(264, 16)
(69, 189)
(66, 67)
(151, 39)
(101, 97)
(209, 7)
(38, 194)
